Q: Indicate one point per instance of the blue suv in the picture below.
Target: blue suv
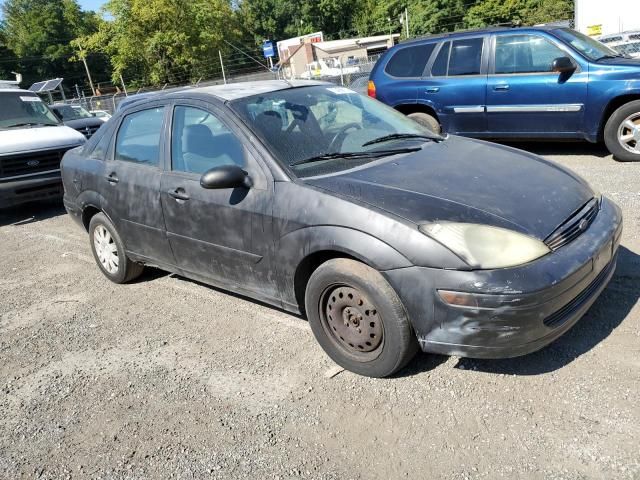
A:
(523, 83)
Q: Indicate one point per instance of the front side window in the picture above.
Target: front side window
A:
(525, 54)
(21, 109)
(410, 61)
(308, 129)
(138, 139)
(466, 57)
(200, 142)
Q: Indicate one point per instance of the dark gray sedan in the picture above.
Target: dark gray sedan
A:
(318, 200)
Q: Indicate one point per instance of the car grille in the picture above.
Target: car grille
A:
(29, 163)
(575, 226)
(88, 131)
(558, 318)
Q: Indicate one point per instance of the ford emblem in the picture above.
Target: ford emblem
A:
(33, 163)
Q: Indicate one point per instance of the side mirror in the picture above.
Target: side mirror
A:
(225, 176)
(562, 65)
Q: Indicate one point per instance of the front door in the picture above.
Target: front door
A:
(525, 98)
(221, 234)
(456, 85)
(131, 185)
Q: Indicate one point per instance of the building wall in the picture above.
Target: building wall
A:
(599, 17)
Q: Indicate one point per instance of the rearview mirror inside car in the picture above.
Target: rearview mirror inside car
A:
(225, 176)
(562, 65)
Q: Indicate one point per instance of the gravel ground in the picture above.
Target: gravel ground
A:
(168, 378)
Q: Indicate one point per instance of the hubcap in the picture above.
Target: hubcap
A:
(629, 133)
(106, 249)
(352, 320)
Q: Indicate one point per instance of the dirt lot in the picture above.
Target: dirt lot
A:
(167, 378)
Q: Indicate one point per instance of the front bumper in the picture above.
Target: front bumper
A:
(518, 310)
(28, 189)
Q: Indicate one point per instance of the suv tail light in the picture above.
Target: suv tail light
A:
(371, 89)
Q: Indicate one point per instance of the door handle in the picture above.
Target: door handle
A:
(178, 194)
(433, 89)
(501, 88)
(112, 178)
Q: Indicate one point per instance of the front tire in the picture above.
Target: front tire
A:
(108, 251)
(358, 319)
(622, 133)
(426, 120)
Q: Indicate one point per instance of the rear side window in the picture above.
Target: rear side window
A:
(138, 139)
(439, 67)
(466, 57)
(409, 61)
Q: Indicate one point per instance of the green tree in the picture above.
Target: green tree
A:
(163, 41)
(524, 12)
(39, 33)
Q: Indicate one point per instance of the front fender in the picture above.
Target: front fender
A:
(295, 246)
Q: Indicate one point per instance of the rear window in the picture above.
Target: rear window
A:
(410, 61)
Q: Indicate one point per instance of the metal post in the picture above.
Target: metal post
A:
(123, 86)
(341, 75)
(224, 78)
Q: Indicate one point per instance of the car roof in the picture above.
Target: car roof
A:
(234, 91)
(465, 33)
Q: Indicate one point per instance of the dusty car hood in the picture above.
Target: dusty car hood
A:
(16, 140)
(467, 180)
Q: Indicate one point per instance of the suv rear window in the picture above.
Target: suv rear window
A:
(410, 61)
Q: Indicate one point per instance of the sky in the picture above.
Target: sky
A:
(91, 4)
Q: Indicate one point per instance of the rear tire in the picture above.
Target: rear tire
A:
(108, 251)
(426, 120)
(622, 133)
(358, 319)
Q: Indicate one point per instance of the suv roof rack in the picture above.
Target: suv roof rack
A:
(490, 28)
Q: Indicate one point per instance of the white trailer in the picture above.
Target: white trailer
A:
(603, 17)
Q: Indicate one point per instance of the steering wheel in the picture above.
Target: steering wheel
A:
(342, 133)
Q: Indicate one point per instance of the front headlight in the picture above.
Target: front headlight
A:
(486, 247)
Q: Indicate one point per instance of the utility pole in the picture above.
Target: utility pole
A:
(86, 67)
(224, 78)
(124, 87)
(406, 20)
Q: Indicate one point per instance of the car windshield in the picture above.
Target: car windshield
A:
(587, 46)
(21, 109)
(319, 130)
(71, 112)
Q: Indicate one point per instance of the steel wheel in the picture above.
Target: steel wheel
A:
(629, 133)
(106, 249)
(352, 322)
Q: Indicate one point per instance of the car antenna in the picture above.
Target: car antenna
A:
(257, 61)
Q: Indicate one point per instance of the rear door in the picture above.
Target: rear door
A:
(524, 97)
(402, 79)
(131, 184)
(456, 83)
(222, 234)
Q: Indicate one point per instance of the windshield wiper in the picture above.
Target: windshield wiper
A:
(31, 124)
(618, 55)
(399, 136)
(345, 155)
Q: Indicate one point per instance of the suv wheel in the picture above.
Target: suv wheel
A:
(108, 251)
(622, 132)
(358, 319)
(426, 120)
